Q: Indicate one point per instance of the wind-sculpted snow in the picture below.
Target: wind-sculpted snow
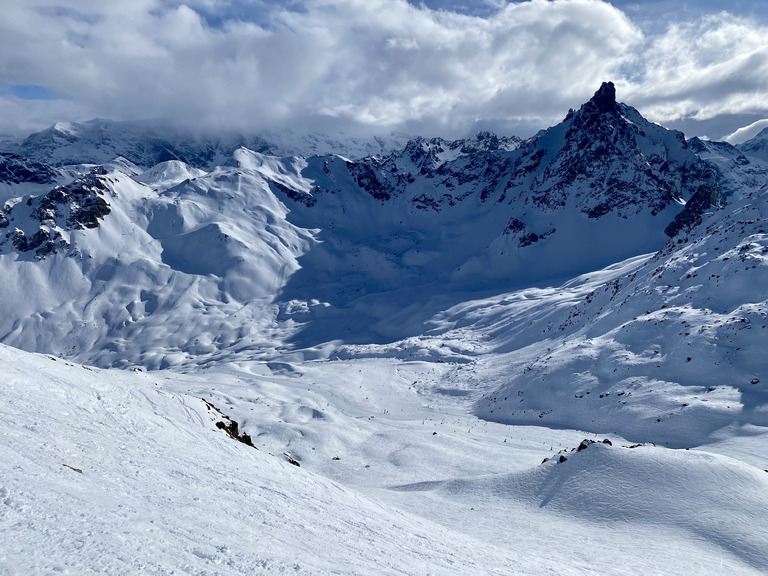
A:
(616, 484)
(168, 174)
(156, 279)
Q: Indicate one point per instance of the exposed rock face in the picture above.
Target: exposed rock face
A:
(80, 203)
(294, 195)
(42, 219)
(15, 169)
(366, 178)
(603, 160)
(606, 158)
(605, 98)
(704, 199)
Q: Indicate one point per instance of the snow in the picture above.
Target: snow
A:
(176, 494)
(161, 489)
(381, 323)
(147, 143)
(168, 174)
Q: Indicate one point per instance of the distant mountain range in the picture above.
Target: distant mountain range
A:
(147, 143)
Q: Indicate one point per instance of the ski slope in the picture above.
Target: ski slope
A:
(125, 472)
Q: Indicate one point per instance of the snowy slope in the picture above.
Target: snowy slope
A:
(666, 347)
(756, 147)
(114, 474)
(168, 174)
(682, 335)
(127, 472)
(111, 270)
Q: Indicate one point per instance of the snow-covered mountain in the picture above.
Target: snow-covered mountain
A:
(333, 249)
(757, 147)
(418, 327)
(604, 175)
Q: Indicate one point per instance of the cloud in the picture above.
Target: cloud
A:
(715, 65)
(382, 63)
(747, 132)
(371, 64)
(18, 115)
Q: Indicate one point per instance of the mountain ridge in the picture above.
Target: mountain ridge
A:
(315, 244)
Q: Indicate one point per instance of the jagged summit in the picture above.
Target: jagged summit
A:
(605, 98)
(607, 159)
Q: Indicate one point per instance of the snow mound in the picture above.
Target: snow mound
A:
(168, 174)
(706, 497)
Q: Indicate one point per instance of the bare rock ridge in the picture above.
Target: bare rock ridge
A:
(15, 169)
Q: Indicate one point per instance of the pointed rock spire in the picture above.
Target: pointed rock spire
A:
(605, 97)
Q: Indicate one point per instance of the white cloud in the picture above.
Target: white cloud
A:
(19, 117)
(747, 132)
(376, 63)
(380, 62)
(713, 66)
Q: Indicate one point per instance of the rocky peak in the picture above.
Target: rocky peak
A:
(605, 159)
(605, 98)
(422, 151)
(42, 223)
(600, 114)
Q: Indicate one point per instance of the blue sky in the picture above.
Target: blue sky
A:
(652, 14)
(436, 67)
